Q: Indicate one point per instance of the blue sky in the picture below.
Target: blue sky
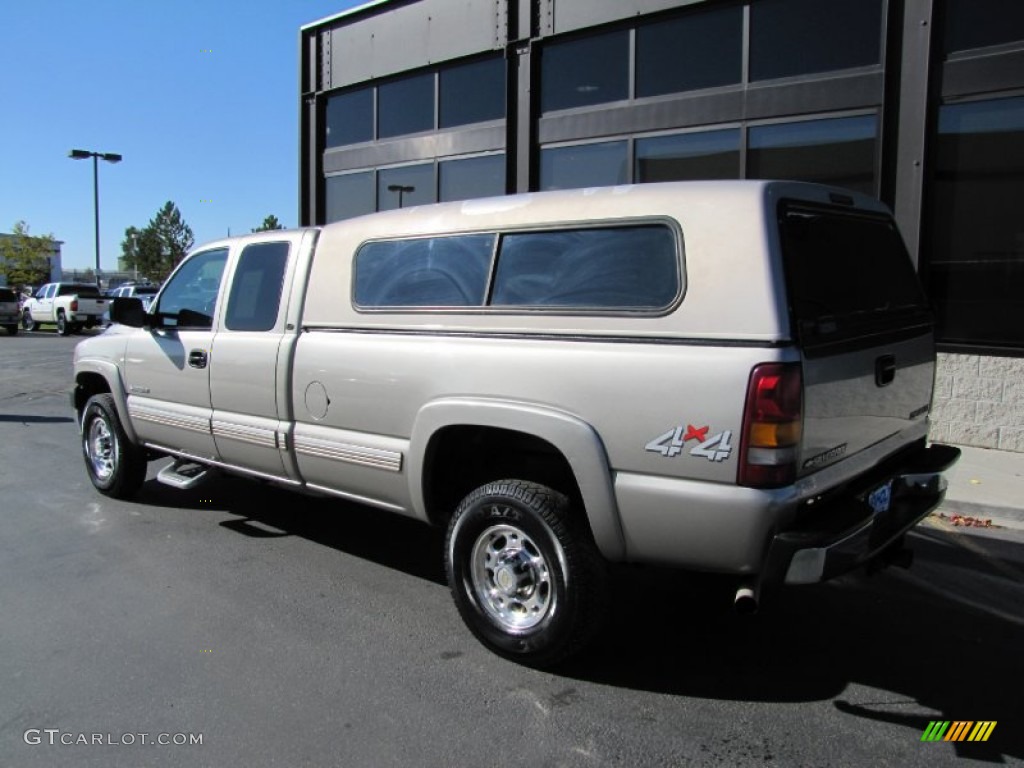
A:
(133, 77)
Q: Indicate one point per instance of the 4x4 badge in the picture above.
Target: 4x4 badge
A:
(715, 448)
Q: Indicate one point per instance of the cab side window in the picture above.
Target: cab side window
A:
(256, 288)
(190, 297)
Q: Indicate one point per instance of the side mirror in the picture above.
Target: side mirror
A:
(128, 310)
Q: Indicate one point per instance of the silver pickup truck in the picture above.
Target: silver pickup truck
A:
(731, 377)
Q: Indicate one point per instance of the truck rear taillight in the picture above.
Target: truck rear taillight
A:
(74, 305)
(772, 426)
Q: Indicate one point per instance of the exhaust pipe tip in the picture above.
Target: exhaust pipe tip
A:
(745, 602)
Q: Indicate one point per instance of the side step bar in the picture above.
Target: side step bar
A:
(185, 475)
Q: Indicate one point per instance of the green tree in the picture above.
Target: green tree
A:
(268, 224)
(26, 258)
(156, 249)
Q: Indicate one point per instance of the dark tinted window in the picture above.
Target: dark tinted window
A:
(190, 297)
(7, 295)
(472, 93)
(979, 23)
(350, 118)
(405, 106)
(799, 37)
(416, 182)
(86, 291)
(256, 287)
(472, 177)
(590, 70)
(976, 248)
(427, 272)
(621, 268)
(688, 156)
(696, 51)
(839, 151)
(584, 165)
(846, 274)
(352, 194)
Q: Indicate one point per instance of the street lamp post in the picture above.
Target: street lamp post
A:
(401, 189)
(110, 157)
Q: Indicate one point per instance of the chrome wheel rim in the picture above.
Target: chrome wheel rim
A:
(511, 578)
(101, 449)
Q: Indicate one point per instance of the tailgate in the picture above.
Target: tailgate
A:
(89, 306)
(864, 327)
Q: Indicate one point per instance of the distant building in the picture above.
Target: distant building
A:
(54, 260)
(920, 102)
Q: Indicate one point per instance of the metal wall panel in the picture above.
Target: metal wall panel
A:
(558, 16)
(731, 105)
(426, 147)
(985, 73)
(400, 37)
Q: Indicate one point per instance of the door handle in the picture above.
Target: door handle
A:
(885, 370)
(197, 358)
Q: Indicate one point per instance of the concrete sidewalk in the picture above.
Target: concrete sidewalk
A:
(986, 485)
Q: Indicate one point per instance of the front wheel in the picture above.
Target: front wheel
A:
(116, 466)
(27, 322)
(525, 575)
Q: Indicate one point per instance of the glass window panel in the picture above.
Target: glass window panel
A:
(585, 165)
(189, 299)
(838, 151)
(799, 37)
(350, 118)
(706, 155)
(589, 70)
(696, 51)
(256, 287)
(349, 195)
(980, 23)
(411, 185)
(405, 106)
(426, 272)
(976, 264)
(472, 93)
(472, 177)
(620, 268)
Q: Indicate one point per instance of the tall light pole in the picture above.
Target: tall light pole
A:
(401, 189)
(110, 157)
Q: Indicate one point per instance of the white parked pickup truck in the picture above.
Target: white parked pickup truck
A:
(69, 306)
(732, 377)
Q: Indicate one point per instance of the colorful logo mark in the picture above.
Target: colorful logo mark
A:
(958, 730)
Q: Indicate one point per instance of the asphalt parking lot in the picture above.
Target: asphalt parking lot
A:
(288, 631)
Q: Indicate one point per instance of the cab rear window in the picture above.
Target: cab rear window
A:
(6, 294)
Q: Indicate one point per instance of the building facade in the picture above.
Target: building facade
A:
(919, 102)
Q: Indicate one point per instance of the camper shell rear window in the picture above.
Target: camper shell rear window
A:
(848, 274)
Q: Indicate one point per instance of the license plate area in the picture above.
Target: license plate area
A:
(880, 498)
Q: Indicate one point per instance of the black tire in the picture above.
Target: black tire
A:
(525, 574)
(64, 328)
(27, 322)
(12, 330)
(115, 465)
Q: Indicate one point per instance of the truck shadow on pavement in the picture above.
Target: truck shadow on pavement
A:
(882, 648)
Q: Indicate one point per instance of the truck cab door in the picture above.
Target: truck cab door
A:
(252, 357)
(167, 369)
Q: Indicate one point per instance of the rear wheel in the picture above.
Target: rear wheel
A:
(525, 574)
(27, 322)
(116, 466)
(63, 326)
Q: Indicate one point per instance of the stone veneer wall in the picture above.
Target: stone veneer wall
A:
(979, 401)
